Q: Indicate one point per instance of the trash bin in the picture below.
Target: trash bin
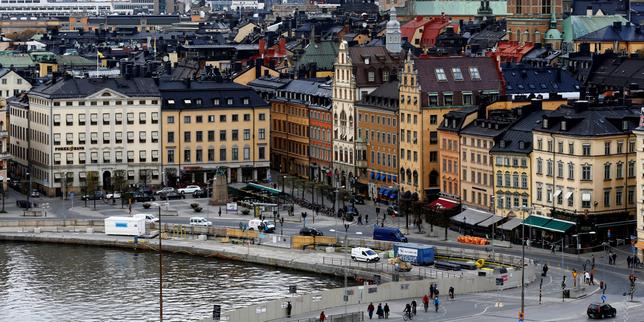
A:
(566, 294)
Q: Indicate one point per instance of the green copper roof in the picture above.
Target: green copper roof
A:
(18, 61)
(322, 53)
(577, 26)
(450, 7)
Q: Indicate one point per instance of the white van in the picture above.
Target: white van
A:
(269, 226)
(364, 254)
(199, 221)
(148, 218)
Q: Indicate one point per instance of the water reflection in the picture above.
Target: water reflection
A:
(43, 282)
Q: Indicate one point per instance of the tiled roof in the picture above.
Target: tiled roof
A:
(610, 33)
(608, 7)
(456, 8)
(528, 80)
(323, 54)
(83, 87)
(17, 61)
(384, 97)
(379, 60)
(520, 131)
(186, 95)
(308, 88)
(591, 121)
(617, 72)
(490, 78)
(578, 26)
(455, 119)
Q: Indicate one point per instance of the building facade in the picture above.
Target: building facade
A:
(321, 139)
(529, 20)
(584, 170)
(11, 84)
(213, 126)
(377, 147)
(63, 130)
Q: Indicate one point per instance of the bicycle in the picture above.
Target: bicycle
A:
(407, 316)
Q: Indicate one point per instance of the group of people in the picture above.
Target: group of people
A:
(633, 261)
(382, 311)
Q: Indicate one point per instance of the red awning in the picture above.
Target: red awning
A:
(443, 203)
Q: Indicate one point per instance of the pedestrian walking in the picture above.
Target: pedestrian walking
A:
(219, 211)
(322, 317)
(592, 278)
(545, 270)
(359, 219)
(413, 307)
(574, 277)
(366, 219)
(586, 277)
(451, 292)
(610, 257)
(628, 261)
(425, 302)
(431, 291)
(593, 260)
(380, 312)
(614, 258)
(386, 309)
(552, 248)
(289, 308)
(437, 302)
(370, 310)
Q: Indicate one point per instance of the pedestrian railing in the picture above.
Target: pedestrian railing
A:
(420, 272)
(344, 317)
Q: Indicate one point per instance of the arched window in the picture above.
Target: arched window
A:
(524, 180)
(402, 174)
(415, 178)
(507, 178)
(408, 176)
(499, 179)
(515, 180)
(343, 123)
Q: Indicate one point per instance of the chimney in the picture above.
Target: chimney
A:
(258, 68)
(262, 46)
(589, 11)
(617, 26)
(282, 46)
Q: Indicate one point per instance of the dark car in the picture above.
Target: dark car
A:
(24, 204)
(96, 195)
(358, 200)
(172, 195)
(600, 311)
(309, 231)
(143, 197)
(202, 193)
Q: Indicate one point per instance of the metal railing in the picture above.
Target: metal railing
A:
(344, 317)
(420, 272)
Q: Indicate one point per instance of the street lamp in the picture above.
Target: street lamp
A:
(154, 204)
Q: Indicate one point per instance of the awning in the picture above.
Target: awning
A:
(557, 193)
(443, 203)
(585, 196)
(490, 221)
(264, 188)
(472, 216)
(382, 190)
(560, 226)
(511, 224)
(372, 174)
(556, 225)
(568, 195)
(395, 178)
(388, 177)
(617, 223)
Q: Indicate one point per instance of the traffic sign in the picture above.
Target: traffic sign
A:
(603, 297)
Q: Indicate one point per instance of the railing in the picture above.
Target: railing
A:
(343, 317)
(420, 272)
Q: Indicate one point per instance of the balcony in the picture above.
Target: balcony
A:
(362, 164)
(5, 155)
(4, 134)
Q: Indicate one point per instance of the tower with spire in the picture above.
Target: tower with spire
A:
(553, 35)
(392, 34)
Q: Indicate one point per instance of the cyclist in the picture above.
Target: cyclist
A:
(413, 307)
(407, 311)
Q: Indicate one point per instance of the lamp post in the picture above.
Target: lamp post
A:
(160, 264)
(3, 193)
(28, 190)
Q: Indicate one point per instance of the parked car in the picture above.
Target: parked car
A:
(148, 218)
(189, 189)
(364, 254)
(389, 234)
(358, 200)
(172, 195)
(199, 221)
(96, 195)
(310, 231)
(164, 190)
(113, 195)
(202, 193)
(600, 311)
(143, 197)
(35, 193)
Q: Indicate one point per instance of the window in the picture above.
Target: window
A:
(81, 119)
(94, 137)
(56, 119)
(467, 99)
(211, 136)
(524, 181)
(618, 196)
(170, 120)
(187, 136)
(631, 169)
(585, 149)
(262, 116)
(130, 118)
(631, 195)
(170, 137)
(142, 118)
(222, 118)
(549, 168)
(94, 157)
(93, 119)
(262, 134)
(186, 155)
(211, 154)
(187, 119)
(118, 156)
(211, 119)
(440, 75)
(606, 148)
(499, 178)
(433, 119)
(606, 197)
(571, 148)
(607, 171)
(620, 170)
(130, 137)
(81, 137)
(155, 117)
(69, 138)
(222, 135)
(261, 153)
(571, 171)
(371, 76)
(458, 75)
(235, 118)
(106, 157)
(69, 119)
(448, 99)
(155, 137)
(620, 147)
(586, 172)
(155, 155)
(539, 166)
(246, 153)
(560, 169)
(433, 100)
(106, 137)
(198, 155)
(222, 154)
(474, 73)
(170, 156)
(539, 192)
(235, 135)
(246, 134)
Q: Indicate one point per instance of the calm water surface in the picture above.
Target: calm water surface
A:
(49, 282)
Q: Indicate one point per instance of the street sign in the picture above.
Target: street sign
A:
(603, 298)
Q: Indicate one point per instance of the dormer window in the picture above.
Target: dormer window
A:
(624, 125)
(440, 75)
(502, 143)
(187, 101)
(366, 61)
(521, 145)
(474, 73)
(170, 102)
(545, 123)
(564, 126)
(458, 75)
(446, 122)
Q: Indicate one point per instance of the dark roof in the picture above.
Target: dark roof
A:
(496, 122)
(308, 88)
(582, 120)
(520, 131)
(269, 82)
(617, 72)
(527, 80)
(186, 95)
(490, 77)
(615, 33)
(384, 97)
(83, 87)
(608, 7)
(379, 60)
(321, 53)
(454, 120)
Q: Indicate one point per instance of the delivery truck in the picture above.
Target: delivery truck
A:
(416, 254)
(125, 226)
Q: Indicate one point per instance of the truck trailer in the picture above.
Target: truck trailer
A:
(416, 254)
(125, 226)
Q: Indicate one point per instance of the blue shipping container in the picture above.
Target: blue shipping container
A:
(416, 254)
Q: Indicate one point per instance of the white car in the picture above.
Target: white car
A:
(164, 190)
(189, 189)
(200, 221)
(254, 224)
(113, 195)
(364, 254)
(148, 218)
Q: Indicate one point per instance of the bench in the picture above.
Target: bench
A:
(33, 213)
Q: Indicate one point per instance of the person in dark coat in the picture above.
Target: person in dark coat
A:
(289, 307)
(380, 312)
(370, 310)
(386, 310)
